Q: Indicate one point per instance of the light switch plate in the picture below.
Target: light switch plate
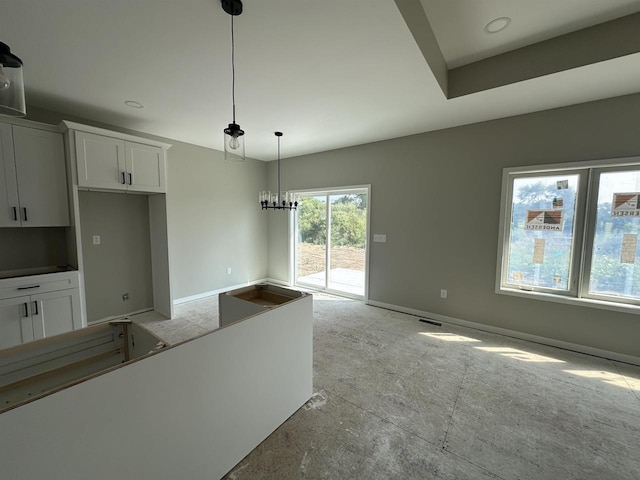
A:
(379, 238)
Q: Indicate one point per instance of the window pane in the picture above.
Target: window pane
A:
(348, 242)
(311, 263)
(615, 270)
(541, 231)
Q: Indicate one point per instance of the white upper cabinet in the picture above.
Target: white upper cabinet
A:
(145, 167)
(101, 161)
(42, 177)
(8, 184)
(112, 161)
(33, 174)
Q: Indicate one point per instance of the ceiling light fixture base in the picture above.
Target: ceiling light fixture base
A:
(234, 130)
(232, 7)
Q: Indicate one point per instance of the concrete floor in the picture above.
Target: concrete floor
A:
(342, 280)
(398, 398)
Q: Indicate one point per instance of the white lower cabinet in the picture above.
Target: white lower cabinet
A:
(16, 325)
(55, 310)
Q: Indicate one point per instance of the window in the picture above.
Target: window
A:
(571, 234)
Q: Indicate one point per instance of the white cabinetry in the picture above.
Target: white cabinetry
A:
(33, 181)
(55, 312)
(16, 326)
(101, 160)
(145, 165)
(38, 306)
(115, 164)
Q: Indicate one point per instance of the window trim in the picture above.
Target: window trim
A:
(584, 222)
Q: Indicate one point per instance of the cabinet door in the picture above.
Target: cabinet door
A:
(16, 325)
(145, 168)
(55, 312)
(101, 161)
(42, 177)
(8, 187)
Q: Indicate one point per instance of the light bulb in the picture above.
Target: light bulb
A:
(5, 83)
(234, 143)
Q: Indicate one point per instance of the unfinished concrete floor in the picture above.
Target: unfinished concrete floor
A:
(398, 398)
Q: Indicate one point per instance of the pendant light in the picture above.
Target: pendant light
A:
(11, 84)
(233, 134)
(278, 200)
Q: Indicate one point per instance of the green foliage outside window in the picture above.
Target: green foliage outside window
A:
(348, 221)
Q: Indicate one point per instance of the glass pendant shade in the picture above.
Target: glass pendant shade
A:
(233, 134)
(11, 84)
(234, 143)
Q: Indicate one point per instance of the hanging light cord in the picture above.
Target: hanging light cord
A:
(279, 193)
(233, 71)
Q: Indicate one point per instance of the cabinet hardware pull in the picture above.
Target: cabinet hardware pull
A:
(24, 211)
(15, 214)
(130, 179)
(26, 309)
(35, 307)
(28, 288)
(124, 182)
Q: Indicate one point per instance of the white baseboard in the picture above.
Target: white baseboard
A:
(620, 357)
(198, 296)
(115, 318)
(282, 283)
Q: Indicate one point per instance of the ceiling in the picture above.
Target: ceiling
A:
(329, 73)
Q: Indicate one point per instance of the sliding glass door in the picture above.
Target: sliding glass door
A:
(331, 241)
(311, 243)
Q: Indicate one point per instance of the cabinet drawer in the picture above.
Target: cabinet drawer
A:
(14, 287)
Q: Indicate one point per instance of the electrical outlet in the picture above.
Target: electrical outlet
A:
(443, 293)
(125, 297)
(228, 270)
(96, 239)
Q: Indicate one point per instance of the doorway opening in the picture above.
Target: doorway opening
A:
(330, 247)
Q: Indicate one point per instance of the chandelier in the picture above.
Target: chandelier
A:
(278, 200)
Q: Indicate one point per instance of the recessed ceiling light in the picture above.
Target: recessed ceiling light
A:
(133, 104)
(497, 25)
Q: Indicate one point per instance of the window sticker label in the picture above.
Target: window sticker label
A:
(557, 203)
(544, 220)
(557, 280)
(625, 205)
(562, 184)
(518, 276)
(628, 253)
(538, 251)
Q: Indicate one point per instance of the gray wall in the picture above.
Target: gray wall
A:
(28, 247)
(122, 262)
(214, 221)
(437, 197)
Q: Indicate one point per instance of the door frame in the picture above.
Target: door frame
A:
(293, 243)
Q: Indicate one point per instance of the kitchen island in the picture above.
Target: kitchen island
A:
(193, 410)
